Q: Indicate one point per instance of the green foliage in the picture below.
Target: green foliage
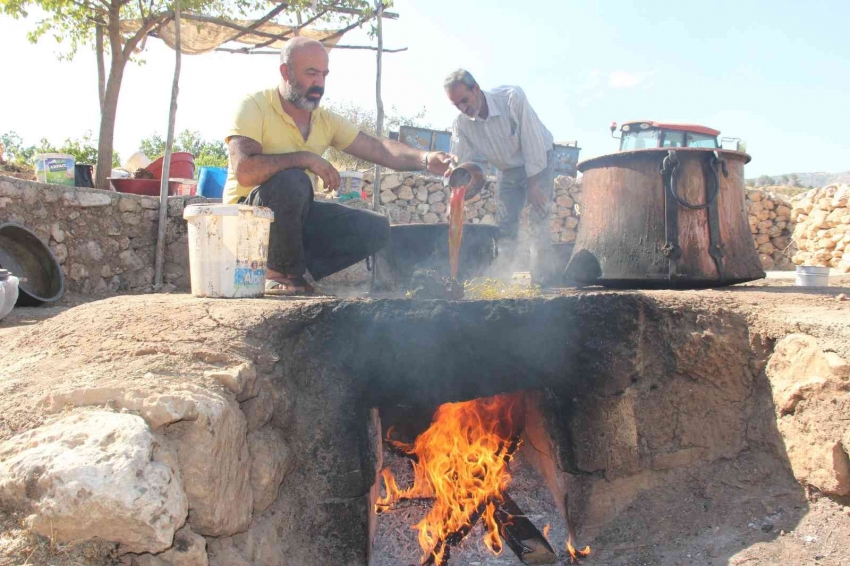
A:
(765, 181)
(72, 23)
(208, 153)
(83, 149)
(367, 121)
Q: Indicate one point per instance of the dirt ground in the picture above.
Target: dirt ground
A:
(743, 512)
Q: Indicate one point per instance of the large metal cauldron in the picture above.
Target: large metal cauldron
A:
(426, 246)
(664, 218)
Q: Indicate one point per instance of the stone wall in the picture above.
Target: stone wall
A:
(771, 224)
(411, 198)
(104, 241)
(822, 231)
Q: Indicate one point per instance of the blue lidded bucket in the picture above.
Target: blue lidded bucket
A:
(211, 181)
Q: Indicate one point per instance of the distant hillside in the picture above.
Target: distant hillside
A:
(803, 179)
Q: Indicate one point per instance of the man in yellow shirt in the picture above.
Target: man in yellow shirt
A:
(279, 134)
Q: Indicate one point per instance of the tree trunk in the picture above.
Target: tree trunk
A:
(107, 120)
(101, 72)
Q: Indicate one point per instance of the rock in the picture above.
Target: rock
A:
(57, 233)
(571, 223)
(95, 474)
(767, 262)
(258, 410)
(423, 209)
(239, 379)
(488, 219)
(436, 197)
(405, 193)
(60, 251)
(388, 197)
(91, 199)
(422, 194)
(271, 460)
(261, 544)
(390, 182)
(816, 439)
(126, 204)
(130, 261)
(189, 549)
(220, 496)
(430, 218)
(78, 272)
(565, 202)
(438, 207)
(434, 187)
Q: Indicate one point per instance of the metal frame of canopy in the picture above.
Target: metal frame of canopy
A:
(243, 34)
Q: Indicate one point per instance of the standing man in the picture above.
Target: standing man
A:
(500, 127)
(277, 137)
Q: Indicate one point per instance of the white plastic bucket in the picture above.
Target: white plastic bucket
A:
(811, 276)
(350, 182)
(228, 249)
(8, 292)
(55, 168)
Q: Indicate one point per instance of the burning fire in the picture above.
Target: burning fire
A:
(461, 462)
(576, 554)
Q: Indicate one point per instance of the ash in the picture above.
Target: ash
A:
(396, 543)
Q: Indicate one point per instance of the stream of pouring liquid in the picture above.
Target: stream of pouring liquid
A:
(458, 214)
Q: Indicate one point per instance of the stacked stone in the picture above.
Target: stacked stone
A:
(771, 224)
(822, 232)
(414, 198)
(566, 211)
(104, 241)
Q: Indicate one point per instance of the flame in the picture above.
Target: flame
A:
(546, 531)
(458, 214)
(462, 464)
(576, 554)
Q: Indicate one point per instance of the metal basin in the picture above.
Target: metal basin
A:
(426, 246)
(23, 254)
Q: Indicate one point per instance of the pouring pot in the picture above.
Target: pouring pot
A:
(469, 174)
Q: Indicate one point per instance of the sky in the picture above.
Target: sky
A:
(775, 73)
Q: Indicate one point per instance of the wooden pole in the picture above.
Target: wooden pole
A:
(166, 160)
(379, 126)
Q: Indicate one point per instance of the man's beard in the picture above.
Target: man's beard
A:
(294, 93)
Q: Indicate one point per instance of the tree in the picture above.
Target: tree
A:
(98, 23)
(795, 180)
(785, 180)
(764, 181)
(366, 121)
(83, 149)
(207, 153)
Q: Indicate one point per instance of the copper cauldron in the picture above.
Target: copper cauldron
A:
(664, 218)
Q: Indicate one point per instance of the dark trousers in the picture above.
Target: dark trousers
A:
(513, 194)
(322, 237)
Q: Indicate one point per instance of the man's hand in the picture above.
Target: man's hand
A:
(325, 171)
(439, 162)
(535, 197)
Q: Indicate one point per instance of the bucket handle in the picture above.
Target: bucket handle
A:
(671, 165)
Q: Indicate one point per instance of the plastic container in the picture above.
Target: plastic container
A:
(8, 292)
(228, 249)
(350, 182)
(55, 168)
(149, 187)
(182, 166)
(811, 276)
(211, 181)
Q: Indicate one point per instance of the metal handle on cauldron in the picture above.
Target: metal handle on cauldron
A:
(671, 165)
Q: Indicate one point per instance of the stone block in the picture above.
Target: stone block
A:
(95, 474)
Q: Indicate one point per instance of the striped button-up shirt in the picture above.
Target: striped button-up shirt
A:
(511, 136)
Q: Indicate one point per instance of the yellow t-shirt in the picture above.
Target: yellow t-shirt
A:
(260, 117)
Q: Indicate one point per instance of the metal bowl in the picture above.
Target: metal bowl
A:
(426, 246)
(26, 257)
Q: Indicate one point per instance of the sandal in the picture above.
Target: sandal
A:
(289, 286)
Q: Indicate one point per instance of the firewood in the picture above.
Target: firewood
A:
(520, 534)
